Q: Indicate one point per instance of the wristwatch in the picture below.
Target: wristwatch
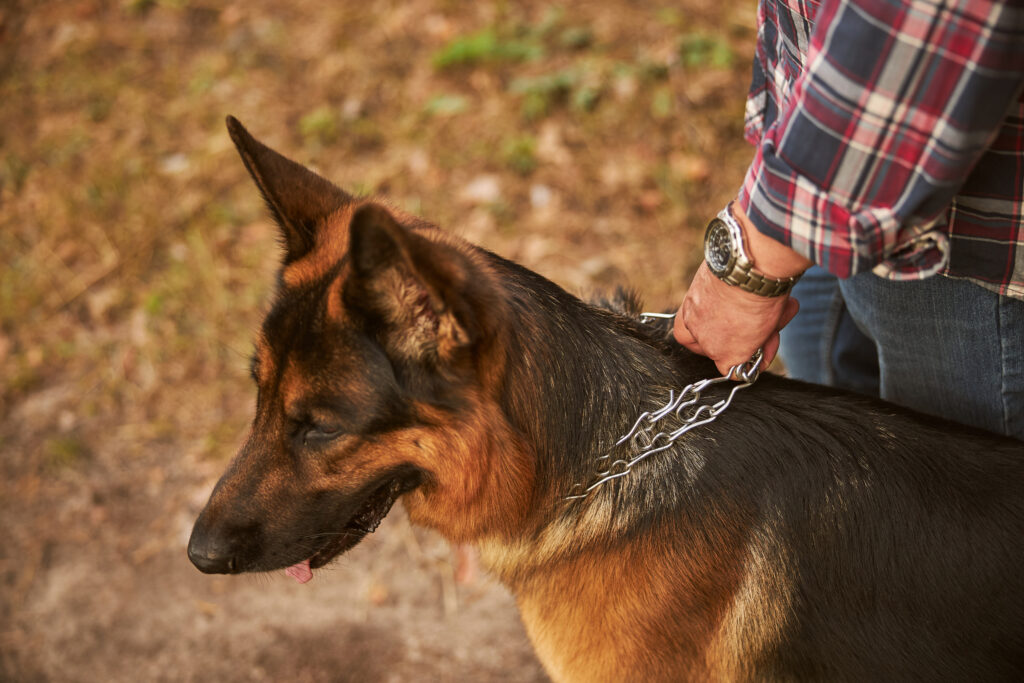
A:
(726, 255)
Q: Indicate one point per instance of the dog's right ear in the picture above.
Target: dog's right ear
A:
(298, 198)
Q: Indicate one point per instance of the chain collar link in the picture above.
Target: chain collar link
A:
(647, 437)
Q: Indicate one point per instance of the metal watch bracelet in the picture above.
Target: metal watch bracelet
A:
(746, 277)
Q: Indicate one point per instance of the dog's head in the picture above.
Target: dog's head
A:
(377, 371)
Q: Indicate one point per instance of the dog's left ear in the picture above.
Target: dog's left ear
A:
(427, 299)
(298, 198)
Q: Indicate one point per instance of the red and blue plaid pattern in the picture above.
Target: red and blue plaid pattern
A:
(890, 136)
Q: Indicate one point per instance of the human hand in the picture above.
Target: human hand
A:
(728, 324)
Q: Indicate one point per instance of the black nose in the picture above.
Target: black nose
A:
(211, 555)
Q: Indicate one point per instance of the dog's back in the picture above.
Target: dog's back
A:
(896, 538)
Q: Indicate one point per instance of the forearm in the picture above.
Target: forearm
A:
(771, 257)
(879, 132)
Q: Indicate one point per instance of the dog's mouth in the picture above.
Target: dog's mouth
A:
(365, 520)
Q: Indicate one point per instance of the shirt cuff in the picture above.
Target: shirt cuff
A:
(790, 209)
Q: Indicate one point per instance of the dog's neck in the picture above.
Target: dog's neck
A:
(579, 377)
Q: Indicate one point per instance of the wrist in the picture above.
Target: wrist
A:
(769, 256)
(735, 297)
(728, 254)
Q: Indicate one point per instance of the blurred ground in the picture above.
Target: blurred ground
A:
(589, 141)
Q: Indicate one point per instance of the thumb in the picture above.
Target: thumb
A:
(789, 311)
(771, 346)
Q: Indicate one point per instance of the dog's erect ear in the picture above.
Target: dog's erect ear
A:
(298, 198)
(427, 298)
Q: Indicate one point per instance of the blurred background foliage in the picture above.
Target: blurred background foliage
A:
(590, 141)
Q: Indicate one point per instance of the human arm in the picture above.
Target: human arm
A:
(892, 108)
(871, 143)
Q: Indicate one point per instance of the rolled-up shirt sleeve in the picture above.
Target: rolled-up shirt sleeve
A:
(885, 116)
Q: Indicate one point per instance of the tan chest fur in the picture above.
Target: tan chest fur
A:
(634, 614)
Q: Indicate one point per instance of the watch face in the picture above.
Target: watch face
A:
(718, 251)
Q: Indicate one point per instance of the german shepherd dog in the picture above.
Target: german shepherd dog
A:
(806, 534)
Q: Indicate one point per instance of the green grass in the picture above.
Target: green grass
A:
(703, 49)
(540, 94)
(13, 172)
(662, 103)
(520, 154)
(64, 452)
(446, 104)
(576, 38)
(321, 125)
(486, 46)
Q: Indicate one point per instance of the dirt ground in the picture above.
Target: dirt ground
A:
(588, 141)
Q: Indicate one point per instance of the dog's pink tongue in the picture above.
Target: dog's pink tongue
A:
(300, 572)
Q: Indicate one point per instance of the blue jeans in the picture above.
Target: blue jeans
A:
(940, 346)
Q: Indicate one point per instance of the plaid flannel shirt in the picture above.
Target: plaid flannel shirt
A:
(890, 136)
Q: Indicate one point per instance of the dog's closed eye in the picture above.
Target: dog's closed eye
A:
(318, 434)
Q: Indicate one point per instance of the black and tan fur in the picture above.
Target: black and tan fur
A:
(807, 534)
